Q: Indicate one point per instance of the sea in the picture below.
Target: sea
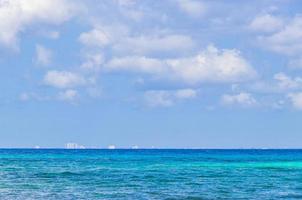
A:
(150, 174)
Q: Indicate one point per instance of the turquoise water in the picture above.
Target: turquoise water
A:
(150, 174)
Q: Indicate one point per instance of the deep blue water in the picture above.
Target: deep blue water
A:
(150, 174)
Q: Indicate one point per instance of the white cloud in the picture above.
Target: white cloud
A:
(158, 98)
(63, 79)
(129, 9)
(68, 95)
(119, 40)
(210, 65)
(296, 100)
(165, 98)
(136, 64)
(193, 8)
(243, 99)
(93, 61)
(95, 38)
(286, 82)
(43, 55)
(16, 15)
(266, 23)
(288, 40)
(281, 83)
(185, 93)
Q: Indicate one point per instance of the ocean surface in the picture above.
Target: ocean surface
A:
(150, 174)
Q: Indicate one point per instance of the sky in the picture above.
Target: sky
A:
(151, 73)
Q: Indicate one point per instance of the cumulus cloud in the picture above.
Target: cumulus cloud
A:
(280, 84)
(210, 65)
(286, 82)
(243, 99)
(16, 15)
(193, 8)
(136, 64)
(63, 79)
(104, 36)
(43, 55)
(296, 100)
(158, 98)
(288, 40)
(129, 9)
(93, 61)
(266, 23)
(68, 95)
(185, 93)
(165, 98)
(95, 37)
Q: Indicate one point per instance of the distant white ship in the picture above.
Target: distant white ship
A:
(111, 147)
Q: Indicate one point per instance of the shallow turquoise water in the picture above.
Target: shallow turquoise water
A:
(150, 174)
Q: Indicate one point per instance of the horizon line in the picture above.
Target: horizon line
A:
(62, 148)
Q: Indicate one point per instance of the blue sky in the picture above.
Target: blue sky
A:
(166, 74)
